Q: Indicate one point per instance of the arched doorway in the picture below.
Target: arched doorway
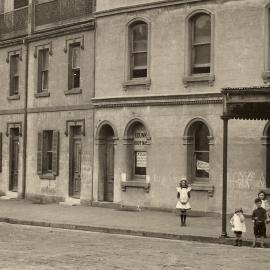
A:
(106, 163)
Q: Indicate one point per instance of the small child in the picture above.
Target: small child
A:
(238, 225)
(183, 196)
(265, 205)
(259, 218)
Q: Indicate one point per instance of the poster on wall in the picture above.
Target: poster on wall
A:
(140, 162)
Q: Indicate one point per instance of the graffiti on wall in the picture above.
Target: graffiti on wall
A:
(246, 180)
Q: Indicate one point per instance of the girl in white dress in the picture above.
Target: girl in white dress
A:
(183, 196)
(238, 225)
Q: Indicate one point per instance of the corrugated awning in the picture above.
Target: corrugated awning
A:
(247, 103)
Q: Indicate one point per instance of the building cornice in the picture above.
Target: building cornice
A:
(11, 42)
(141, 7)
(81, 107)
(158, 100)
(61, 31)
(50, 33)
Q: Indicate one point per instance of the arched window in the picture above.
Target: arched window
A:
(198, 152)
(200, 43)
(137, 141)
(138, 49)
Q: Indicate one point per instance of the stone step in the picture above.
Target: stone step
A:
(10, 195)
(71, 202)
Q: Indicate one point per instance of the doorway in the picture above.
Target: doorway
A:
(14, 159)
(106, 159)
(75, 162)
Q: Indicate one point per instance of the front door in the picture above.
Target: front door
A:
(76, 152)
(109, 172)
(14, 159)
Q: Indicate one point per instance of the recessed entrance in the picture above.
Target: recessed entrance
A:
(75, 162)
(14, 159)
(106, 162)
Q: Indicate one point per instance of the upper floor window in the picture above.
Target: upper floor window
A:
(43, 70)
(20, 3)
(138, 34)
(74, 66)
(14, 75)
(200, 43)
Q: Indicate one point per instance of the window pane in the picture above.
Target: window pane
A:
(44, 80)
(49, 161)
(201, 140)
(139, 73)
(202, 29)
(20, 3)
(201, 70)
(76, 78)
(49, 140)
(14, 64)
(15, 85)
(140, 37)
(76, 56)
(202, 54)
(140, 60)
(45, 59)
(202, 164)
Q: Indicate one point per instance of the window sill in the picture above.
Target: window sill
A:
(199, 78)
(48, 176)
(135, 184)
(146, 83)
(203, 187)
(42, 94)
(14, 97)
(73, 91)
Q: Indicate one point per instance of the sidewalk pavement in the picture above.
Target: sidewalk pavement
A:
(140, 223)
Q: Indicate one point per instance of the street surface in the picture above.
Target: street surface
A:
(26, 247)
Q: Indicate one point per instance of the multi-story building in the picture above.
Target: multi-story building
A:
(120, 105)
(47, 82)
(160, 68)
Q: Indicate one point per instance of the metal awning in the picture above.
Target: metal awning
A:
(247, 103)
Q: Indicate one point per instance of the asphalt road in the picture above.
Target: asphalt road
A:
(25, 247)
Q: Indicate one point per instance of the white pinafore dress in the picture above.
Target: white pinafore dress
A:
(183, 201)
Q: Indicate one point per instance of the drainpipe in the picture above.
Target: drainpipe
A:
(93, 109)
(25, 113)
(25, 119)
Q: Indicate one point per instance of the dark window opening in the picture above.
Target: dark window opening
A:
(74, 65)
(20, 3)
(14, 75)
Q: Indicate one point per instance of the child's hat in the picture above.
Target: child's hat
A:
(237, 210)
(183, 179)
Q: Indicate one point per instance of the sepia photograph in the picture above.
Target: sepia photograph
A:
(135, 134)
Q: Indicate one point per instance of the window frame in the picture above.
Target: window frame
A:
(194, 154)
(14, 75)
(189, 76)
(130, 81)
(76, 45)
(42, 154)
(43, 70)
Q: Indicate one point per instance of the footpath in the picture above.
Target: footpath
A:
(118, 221)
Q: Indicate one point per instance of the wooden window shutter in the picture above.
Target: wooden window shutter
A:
(1, 152)
(40, 153)
(55, 152)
